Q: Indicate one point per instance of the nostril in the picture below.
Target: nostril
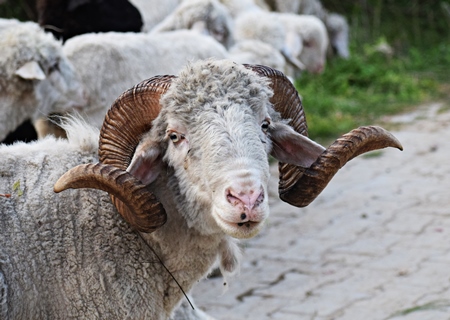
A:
(248, 199)
(232, 199)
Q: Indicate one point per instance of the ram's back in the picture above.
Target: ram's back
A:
(67, 255)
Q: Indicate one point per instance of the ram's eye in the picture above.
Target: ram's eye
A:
(265, 125)
(175, 137)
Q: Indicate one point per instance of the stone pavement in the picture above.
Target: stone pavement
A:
(374, 245)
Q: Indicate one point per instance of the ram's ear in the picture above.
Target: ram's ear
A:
(146, 163)
(30, 71)
(292, 147)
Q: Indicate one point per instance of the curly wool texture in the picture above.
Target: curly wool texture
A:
(71, 255)
(205, 85)
(87, 262)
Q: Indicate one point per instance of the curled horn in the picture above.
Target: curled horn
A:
(127, 120)
(299, 186)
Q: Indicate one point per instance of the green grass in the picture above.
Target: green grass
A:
(369, 85)
(433, 305)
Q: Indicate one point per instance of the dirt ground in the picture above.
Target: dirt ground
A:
(374, 245)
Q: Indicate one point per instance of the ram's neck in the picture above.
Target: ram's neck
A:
(186, 253)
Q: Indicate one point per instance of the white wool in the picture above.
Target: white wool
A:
(110, 63)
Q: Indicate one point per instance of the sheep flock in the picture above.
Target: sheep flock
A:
(172, 108)
(94, 61)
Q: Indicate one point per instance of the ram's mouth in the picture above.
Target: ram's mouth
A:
(242, 229)
(241, 224)
(247, 224)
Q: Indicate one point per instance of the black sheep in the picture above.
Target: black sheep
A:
(68, 18)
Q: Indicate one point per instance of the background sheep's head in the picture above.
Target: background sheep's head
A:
(212, 130)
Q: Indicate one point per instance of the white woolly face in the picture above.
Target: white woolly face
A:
(222, 168)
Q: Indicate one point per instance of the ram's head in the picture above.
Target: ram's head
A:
(209, 133)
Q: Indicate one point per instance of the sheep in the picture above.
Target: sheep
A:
(213, 18)
(336, 24)
(36, 78)
(206, 16)
(109, 63)
(185, 160)
(301, 38)
(154, 11)
(68, 18)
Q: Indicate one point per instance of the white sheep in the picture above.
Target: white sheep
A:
(109, 63)
(336, 24)
(185, 160)
(213, 18)
(36, 79)
(208, 17)
(154, 11)
(301, 38)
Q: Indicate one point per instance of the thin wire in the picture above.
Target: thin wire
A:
(178, 284)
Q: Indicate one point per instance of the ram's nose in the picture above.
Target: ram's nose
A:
(247, 199)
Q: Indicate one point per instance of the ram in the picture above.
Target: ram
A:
(185, 160)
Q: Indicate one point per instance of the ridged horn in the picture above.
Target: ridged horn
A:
(125, 123)
(345, 148)
(129, 117)
(287, 102)
(299, 186)
(144, 212)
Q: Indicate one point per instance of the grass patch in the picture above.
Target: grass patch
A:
(369, 85)
(433, 305)
(372, 154)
